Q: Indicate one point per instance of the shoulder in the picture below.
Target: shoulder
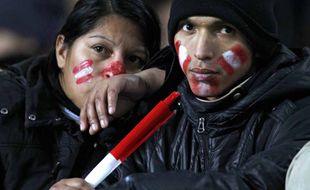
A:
(11, 85)
(294, 116)
(12, 99)
(12, 92)
(15, 78)
(12, 110)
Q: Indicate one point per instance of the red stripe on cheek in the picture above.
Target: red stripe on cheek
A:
(240, 52)
(227, 67)
(83, 65)
(177, 46)
(114, 68)
(84, 79)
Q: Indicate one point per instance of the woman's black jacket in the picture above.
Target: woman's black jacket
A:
(39, 145)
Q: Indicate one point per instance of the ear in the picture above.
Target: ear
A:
(61, 51)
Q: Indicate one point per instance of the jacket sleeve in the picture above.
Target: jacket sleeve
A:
(263, 170)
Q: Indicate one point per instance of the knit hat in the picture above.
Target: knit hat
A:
(255, 19)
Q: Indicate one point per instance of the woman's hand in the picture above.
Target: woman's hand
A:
(71, 184)
(111, 98)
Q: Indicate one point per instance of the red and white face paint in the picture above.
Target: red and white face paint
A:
(184, 58)
(233, 59)
(200, 83)
(83, 72)
(114, 68)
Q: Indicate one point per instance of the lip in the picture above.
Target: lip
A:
(205, 71)
(203, 74)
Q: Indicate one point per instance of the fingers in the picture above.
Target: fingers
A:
(112, 100)
(102, 102)
(88, 118)
(93, 114)
(71, 184)
(83, 117)
(92, 118)
(101, 110)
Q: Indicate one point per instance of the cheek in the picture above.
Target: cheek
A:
(83, 72)
(233, 59)
(112, 69)
(184, 58)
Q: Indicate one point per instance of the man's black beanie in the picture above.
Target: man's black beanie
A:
(254, 18)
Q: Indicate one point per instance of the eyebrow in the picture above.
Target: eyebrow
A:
(102, 37)
(214, 22)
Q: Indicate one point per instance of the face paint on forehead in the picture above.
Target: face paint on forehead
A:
(112, 69)
(184, 58)
(83, 72)
(233, 59)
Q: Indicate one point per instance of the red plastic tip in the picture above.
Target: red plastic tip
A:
(171, 98)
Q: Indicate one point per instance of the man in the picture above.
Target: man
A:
(243, 112)
(244, 103)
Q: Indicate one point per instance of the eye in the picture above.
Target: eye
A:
(187, 27)
(227, 30)
(102, 50)
(134, 62)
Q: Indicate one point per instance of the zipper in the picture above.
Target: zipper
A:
(204, 158)
(201, 125)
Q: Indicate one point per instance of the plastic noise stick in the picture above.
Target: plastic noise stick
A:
(138, 135)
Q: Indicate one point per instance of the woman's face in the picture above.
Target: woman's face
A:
(115, 46)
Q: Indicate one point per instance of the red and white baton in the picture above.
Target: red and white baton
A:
(138, 135)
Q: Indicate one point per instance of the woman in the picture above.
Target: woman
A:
(40, 139)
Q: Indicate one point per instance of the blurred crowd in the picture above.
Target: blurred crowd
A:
(29, 27)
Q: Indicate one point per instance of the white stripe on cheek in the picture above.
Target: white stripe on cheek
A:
(232, 59)
(83, 72)
(182, 54)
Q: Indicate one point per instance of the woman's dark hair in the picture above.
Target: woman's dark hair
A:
(86, 14)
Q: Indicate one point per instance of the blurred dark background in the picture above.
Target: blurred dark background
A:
(293, 20)
(29, 27)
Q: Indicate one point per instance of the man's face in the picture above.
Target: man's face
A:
(213, 55)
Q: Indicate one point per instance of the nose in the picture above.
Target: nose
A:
(113, 68)
(205, 47)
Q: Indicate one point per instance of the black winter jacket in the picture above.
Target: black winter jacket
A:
(244, 141)
(39, 145)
